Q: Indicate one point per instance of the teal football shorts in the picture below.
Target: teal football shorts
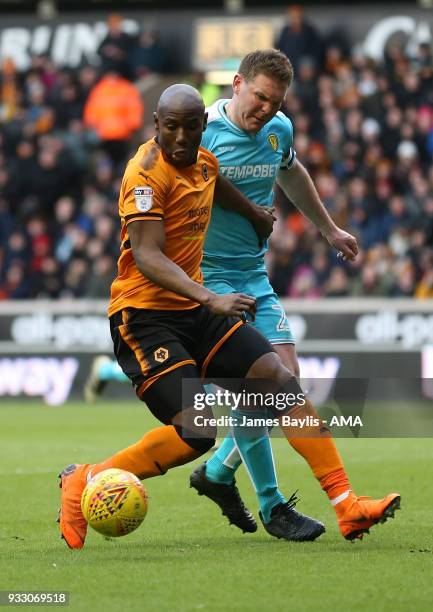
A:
(271, 320)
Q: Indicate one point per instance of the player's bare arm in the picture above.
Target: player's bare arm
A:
(261, 217)
(299, 188)
(148, 243)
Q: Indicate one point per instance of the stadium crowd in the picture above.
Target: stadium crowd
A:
(363, 130)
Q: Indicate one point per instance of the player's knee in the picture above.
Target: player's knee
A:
(201, 441)
(291, 397)
(270, 367)
(202, 445)
(294, 368)
(269, 375)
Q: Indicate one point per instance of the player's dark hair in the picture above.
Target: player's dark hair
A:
(270, 62)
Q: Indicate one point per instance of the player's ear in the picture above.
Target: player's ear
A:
(205, 121)
(237, 80)
(156, 122)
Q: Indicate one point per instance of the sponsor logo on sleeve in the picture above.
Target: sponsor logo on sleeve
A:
(143, 198)
(273, 141)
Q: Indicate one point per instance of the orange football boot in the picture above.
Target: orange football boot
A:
(73, 525)
(357, 514)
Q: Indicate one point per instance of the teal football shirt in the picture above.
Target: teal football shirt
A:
(251, 162)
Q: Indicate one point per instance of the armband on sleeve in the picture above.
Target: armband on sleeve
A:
(288, 159)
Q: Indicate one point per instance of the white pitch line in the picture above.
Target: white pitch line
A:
(24, 472)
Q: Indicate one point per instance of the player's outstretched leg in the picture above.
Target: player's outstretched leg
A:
(73, 526)
(103, 370)
(216, 481)
(279, 517)
(361, 513)
(244, 357)
(286, 522)
(158, 451)
(355, 515)
(226, 496)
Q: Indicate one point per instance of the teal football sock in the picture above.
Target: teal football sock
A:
(255, 450)
(111, 370)
(224, 463)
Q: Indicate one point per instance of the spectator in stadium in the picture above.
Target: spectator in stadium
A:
(369, 282)
(87, 78)
(404, 283)
(76, 276)
(147, 55)
(338, 284)
(304, 284)
(38, 113)
(102, 274)
(47, 282)
(16, 284)
(16, 250)
(115, 49)
(115, 111)
(23, 163)
(299, 39)
(68, 105)
(39, 242)
(9, 90)
(424, 289)
(49, 178)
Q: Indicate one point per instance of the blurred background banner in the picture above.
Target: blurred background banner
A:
(205, 39)
(47, 349)
(347, 324)
(56, 377)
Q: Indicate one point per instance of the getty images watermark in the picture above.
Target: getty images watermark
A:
(251, 401)
(374, 407)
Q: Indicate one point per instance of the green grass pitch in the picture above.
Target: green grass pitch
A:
(185, 557)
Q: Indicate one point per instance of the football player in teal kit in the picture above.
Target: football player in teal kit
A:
(253, 140)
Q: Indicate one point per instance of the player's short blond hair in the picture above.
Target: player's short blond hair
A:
(270, 62)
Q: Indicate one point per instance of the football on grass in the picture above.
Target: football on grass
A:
(114, 502)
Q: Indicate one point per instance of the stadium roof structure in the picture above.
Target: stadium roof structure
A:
(32, 6)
